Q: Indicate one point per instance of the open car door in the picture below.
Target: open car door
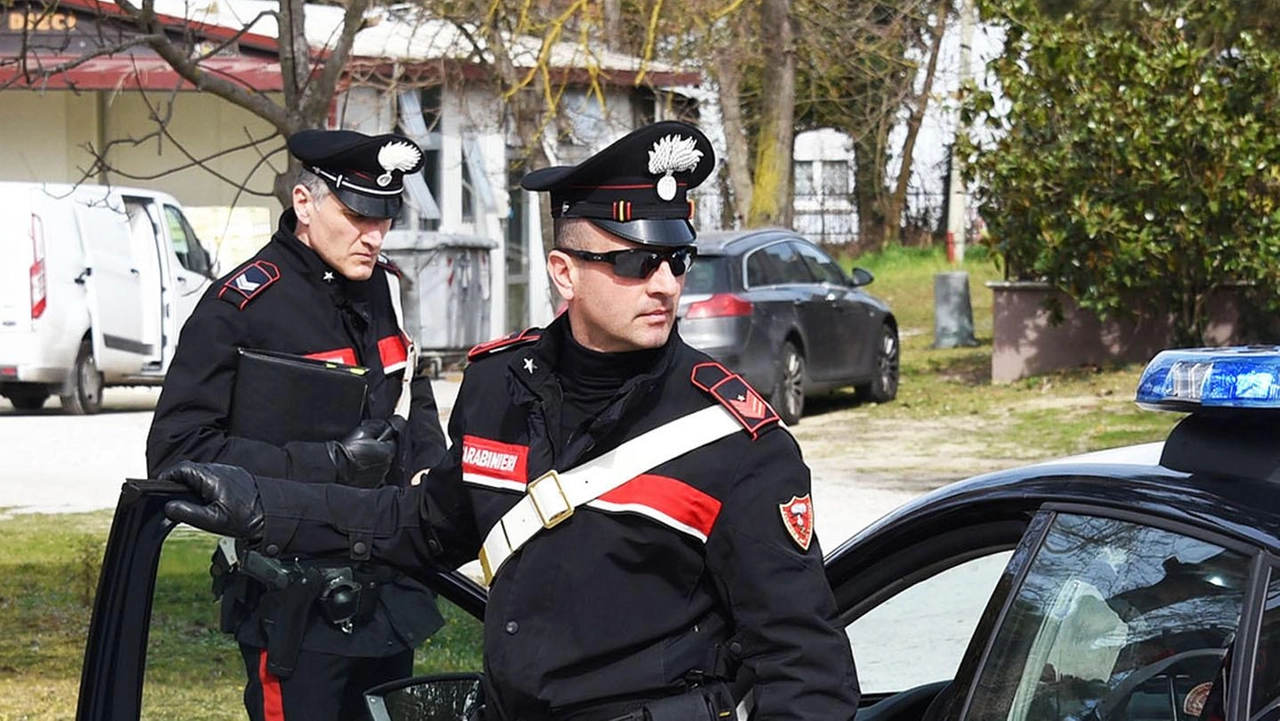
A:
(115, 658)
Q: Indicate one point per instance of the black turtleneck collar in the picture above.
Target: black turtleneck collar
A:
(309, 263)
(591, 378)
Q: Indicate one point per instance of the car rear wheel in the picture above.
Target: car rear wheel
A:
(85, 391)
(28, 398)
(884, 386)
(788, 395)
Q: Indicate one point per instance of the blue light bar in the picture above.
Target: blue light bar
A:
(1186, 380)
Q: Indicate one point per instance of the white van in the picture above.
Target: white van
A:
(95, 283)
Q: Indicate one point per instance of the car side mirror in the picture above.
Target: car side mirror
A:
(861, 277)
(438, 697)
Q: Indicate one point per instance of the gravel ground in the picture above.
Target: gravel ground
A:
(55, 463)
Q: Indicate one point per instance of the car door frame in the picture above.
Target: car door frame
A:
(115, 658)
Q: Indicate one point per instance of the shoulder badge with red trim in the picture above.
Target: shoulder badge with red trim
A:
(390, 266)
(497, 345)
(797, 516)
(1194, 702)
(249, 283)
(733, 393)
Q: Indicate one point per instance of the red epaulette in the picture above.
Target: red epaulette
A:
(735, 394)
(390, 266)
(497, 345)
(249, 283)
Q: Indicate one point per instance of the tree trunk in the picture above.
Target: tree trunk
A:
(771, 198)
(737, 150)
(898, 200)
(869, 188)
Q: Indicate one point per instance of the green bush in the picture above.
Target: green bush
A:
(1136, 164)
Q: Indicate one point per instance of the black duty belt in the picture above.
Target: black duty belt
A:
(711, 702)
(288, 592)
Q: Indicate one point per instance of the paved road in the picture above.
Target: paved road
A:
(55, 463)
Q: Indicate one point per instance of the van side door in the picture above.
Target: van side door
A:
(194, 270)
(114, 278)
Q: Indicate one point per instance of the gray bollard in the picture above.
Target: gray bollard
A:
(952, 312)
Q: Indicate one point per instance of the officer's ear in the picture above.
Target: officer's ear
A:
(563, 272)
(304, 203)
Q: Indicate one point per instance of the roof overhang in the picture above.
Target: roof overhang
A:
(136, 73)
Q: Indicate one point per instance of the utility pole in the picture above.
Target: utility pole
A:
(957, 202)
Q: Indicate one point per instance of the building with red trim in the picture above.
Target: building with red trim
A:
(76, 84)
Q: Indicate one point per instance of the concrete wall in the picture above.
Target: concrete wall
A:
(1025, 343)
(49, 133)
(45, 135)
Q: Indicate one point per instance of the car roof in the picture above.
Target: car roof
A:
(726, 242)
(1178, 480)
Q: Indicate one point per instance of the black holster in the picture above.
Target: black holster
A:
(285, 614)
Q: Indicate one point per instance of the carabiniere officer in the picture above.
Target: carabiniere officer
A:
(669, 565)
(314, 633)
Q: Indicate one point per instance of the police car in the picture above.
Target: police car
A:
(1140, 584)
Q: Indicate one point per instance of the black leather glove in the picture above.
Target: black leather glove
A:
(230, 494)
(363, 456)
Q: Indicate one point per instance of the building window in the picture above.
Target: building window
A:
(804, 178)
(420, 121)
(835, 178)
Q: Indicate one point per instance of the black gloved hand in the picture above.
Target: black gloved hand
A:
(231, 508)
(364, 455)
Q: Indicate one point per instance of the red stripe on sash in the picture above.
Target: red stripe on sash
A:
(670, 497)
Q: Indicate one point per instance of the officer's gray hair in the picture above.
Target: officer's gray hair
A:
(572, 233)
(313, 183)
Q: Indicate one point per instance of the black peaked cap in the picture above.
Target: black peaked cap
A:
(637, 188)
(365, 172)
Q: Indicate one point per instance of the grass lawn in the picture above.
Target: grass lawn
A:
(50, 563)
(1070, 411)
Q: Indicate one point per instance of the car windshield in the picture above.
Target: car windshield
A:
(709, 274)
(1114, 620)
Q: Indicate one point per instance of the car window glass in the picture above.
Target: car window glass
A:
(777, 264)
(194, 670)
(887, 640)
(759, 269)
(821, 266)
(1266, 673)
(1114, 620)
(794, 268)
(709, 274)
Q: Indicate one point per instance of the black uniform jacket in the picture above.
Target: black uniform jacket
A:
(287, 299)
(688, 567)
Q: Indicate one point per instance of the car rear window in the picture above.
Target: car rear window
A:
(709, 274)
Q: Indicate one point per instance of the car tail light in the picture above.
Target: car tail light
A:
(720, 305)
(39, 286)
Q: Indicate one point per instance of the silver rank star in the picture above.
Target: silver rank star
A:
(529, 366)
(328, 276)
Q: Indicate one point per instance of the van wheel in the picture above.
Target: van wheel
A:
(85, 397)
(28, 399)
(788, 396)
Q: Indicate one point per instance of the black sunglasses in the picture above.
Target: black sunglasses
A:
(640, 262)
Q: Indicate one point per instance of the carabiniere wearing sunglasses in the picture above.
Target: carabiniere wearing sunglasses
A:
(644, 521)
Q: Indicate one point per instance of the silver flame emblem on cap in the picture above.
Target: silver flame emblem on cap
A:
(396, 155)
(672, 154)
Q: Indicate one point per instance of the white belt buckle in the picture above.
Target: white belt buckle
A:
(552, 505)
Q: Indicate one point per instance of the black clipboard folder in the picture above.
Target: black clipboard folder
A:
(279, 397)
